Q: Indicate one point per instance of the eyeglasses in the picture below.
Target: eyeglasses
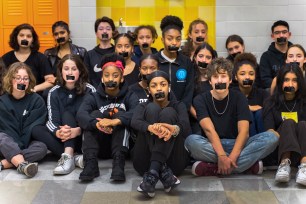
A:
(19, 79)
(284, 32)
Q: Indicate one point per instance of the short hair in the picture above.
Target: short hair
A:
(234, 38)
(149, 27)
(13, 37)
(80, 85)
(105, 19)
(279, 23)
(10, 74)
(244, 58)
(219, 65)
(171, 22)
(60, 24)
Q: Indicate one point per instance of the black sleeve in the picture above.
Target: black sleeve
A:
(85, 120)
(131, 101)
(138, 122)
(200, 106)
(265, 71)
(188, 94)
(268, 120)
(243, 111)
(183, 123)
(44, 65)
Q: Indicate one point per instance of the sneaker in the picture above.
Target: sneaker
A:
(256, 168)
(65, 165)
(29, 169)
(167, 178)
(118, 167)
(201, 168)
(283, 171)
(78, 161)
(147, 186)
(91, 168)
(301, 174)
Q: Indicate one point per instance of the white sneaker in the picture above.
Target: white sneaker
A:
(78, 161)
(65, 165)
(283, 171)
(301, 174)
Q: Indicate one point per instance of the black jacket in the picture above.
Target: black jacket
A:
(125, 102)
(181, 73)
(270, 62)
(52, 55)
(61, 100)
(137, 53)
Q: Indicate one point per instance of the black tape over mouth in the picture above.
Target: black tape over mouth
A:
(145, 45)
(202, 65)
(70, 77)
(124, 54)
(60, 40)
(289, 89)
(173, 48)
(21, 87)
(104, 35)
(200, 39)
(247, 82)
(159, 95)
(110, 84)
(24, 42)
(220, 86)
(281, 40)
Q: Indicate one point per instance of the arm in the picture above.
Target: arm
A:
(49, 82)
(84, 118)
(131, 102)
(54, 115)
(265, 71)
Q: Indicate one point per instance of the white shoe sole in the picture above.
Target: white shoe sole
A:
(282, 179)
(301, 181)
(151, 195)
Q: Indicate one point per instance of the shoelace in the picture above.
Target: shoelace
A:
(302, 167)
(150, 179)
(62, 160)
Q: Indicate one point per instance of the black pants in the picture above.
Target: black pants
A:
(54, 144)
(150, 148)
(106, 145)
(292, 139)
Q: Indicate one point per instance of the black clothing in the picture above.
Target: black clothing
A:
(92, 61)
(137, 53)
(36, 61)
(257, 96)
(149, 147)
(226, 123)
(270, 62)
(132, 77)
(181, 73)
(52, 55)
(19, 125)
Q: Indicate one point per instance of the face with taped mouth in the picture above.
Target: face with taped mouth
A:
(245, 75)
(25, 38)
(159, 89)
(111, 78)
(70, 72)
(220, 81)
(290, 84)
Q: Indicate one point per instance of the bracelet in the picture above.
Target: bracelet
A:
(222, 155)
(176, 131)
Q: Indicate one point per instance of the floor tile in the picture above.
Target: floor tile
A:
(244, 185)
(289, 196)
(251, 197)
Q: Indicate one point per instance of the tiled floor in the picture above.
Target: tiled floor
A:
(46, 188)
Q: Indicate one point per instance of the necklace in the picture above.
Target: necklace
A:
(146, 92)
(212, 98)
(292, 107)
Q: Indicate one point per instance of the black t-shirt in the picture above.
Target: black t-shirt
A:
(132, 77)
(37, 61)
(256, 97)
(226, 124)
(273, 116)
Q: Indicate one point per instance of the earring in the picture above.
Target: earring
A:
(169, 89)
(102, 80)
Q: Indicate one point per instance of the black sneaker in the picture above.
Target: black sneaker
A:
(118, 167)
(168, 179)
(147, 186)
(29, 169)
(91, 169)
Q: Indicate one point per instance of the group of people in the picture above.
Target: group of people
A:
(164, 109)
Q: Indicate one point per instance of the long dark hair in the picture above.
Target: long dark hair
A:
(197, 71)
(278, 97)
(80, 84)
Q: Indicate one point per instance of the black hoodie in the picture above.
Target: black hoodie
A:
(125, 102)
(270, 62)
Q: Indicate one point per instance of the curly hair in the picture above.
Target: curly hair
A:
(244, 58)
(10, 74)
(149, 27)
(2, 73)
(188, 47)
(112, 57)
(80, 84)
(219, 65)
(13, 37)
(171, 22)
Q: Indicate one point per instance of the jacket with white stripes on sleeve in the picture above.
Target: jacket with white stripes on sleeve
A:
(60, 100)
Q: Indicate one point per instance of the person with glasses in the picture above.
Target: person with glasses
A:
(21, 111)
(274, 58)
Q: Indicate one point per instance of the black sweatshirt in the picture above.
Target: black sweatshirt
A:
(125, 102)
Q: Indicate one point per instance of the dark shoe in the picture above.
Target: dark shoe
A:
(168, 179)
(256, 168)
(201, 168)
(147, 186)
(118, 167)
(91, 169)
(29, 169)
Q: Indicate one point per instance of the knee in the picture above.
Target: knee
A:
(191, 142)
(41, 149)
(168, 115)
(302, 124)
(152, 108)
(270, 138)
(288, 122)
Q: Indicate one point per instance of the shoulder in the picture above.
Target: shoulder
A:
(90, 87)
(51, 51)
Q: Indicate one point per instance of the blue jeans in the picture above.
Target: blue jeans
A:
(257, 147)
(257, 125)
